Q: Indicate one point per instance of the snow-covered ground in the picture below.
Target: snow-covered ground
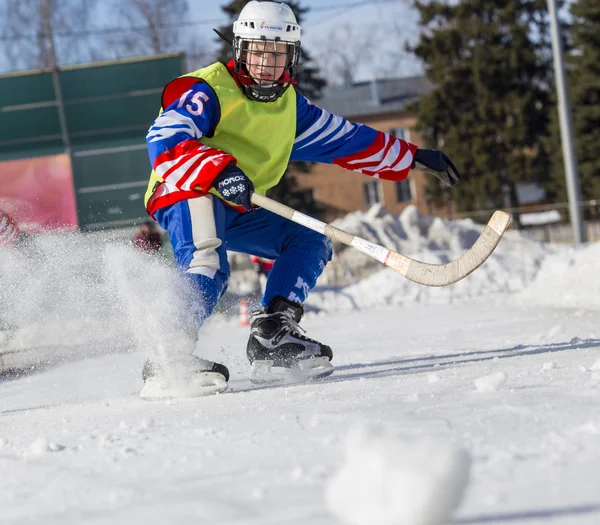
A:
(485, 398)
(79, 446)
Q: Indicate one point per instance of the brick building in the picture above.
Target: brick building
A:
(380, 104)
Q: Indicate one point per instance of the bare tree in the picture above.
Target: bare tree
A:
(197, 54)
(25, 31)
(352, 47)
(346, 49)
(149, 27)
(397, 59)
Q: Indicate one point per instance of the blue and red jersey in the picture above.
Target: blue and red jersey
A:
(192, 111)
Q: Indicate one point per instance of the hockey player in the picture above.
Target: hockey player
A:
(229, 130)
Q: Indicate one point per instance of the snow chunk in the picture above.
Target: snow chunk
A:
(298, 473)
(388, 481)
(147, 422)
(596, 365)
(432, 377)
(42, 445)
(549, 365)
(490, 382)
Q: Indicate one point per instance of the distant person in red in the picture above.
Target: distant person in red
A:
(9, 236)
(262, 266)
(9, 231)
(148, 238)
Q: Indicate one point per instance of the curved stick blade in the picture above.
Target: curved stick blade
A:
(445, 274)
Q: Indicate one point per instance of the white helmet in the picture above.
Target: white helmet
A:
(266, 21)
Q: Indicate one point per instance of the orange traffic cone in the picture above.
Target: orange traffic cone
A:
(244, 313)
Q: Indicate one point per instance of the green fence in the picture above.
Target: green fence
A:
(108, 109)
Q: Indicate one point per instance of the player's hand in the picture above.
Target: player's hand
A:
(437, 163)
(235, 186)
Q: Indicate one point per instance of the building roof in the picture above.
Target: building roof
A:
(373, 97)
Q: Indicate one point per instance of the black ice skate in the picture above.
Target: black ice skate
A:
(278, 351)
(187, 377)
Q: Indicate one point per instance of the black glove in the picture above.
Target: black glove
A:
(437, 163)
(235, 186)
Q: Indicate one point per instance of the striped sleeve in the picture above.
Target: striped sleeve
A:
(175, 152)
(330, 139)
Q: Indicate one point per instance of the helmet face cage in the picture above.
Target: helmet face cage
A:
(263, 60)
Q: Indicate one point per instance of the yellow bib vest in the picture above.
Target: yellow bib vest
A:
(259, 135)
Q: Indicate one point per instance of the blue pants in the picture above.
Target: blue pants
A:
(201, 231)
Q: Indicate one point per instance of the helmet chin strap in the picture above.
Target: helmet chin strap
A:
(256, 94)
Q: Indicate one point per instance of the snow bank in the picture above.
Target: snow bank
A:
(388, 481)
(569, 279)
(354, 281)
(410, 231)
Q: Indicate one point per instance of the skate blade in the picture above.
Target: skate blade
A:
(264, 373)
(197, 385)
